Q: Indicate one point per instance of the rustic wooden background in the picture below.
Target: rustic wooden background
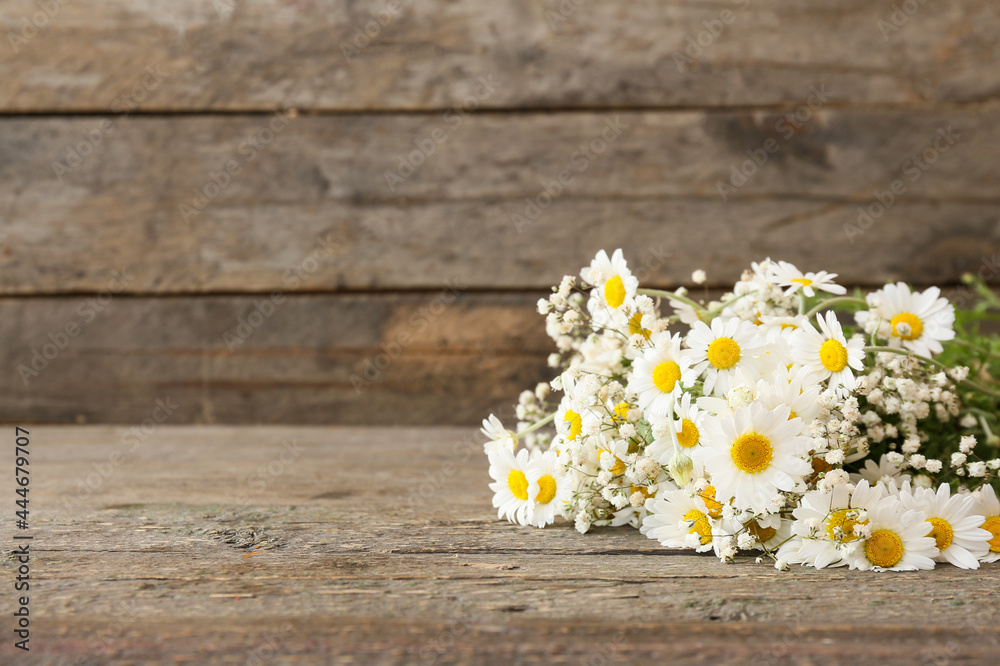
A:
(114, 113)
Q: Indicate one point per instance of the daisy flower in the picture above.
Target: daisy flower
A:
(510, 487)
(824, 521)
(722, 350)
(988, 505)
(569, 421)
(828, 353)
(895, 539)
(760, 532)
(918, 321)
(547, 488)
(679, 519)
(785, 274)
(885, 472)
(796, 387)
(955, 524)
(754, 454)
(774, 326)
(613, 284)
(687, 423)
(659, 374)
(499, 437)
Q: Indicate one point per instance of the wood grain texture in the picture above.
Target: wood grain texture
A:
(429, 54)
(448, 357)
(313, 208)
(404, 562)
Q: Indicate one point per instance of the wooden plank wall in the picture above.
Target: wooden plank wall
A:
(234, 207)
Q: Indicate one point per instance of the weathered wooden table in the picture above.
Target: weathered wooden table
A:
(260, 545)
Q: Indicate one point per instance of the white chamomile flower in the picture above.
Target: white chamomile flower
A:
(569, 421)
(896, 540)
(546, 487)
(785, 274)
(954, 525)
(499, 437)
(824, 521)
(659, 374)
(988, 506)
(613, 284)
(918, 321)
(828, 353)
(774, 326)
(510, 487)
(679, 519)
(797, 387)
(722, 351)
(886, 472)
(754, 454)
(762, 532)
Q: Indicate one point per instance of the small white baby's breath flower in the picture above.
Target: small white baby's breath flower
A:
(958, 459)
(699, 277)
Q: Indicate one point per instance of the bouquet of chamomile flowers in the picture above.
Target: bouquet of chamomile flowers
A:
(786, 419)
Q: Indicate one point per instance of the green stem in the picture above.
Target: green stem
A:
(535, 426)
(714, 311)
(835, 301)
(669, 294)
(905, 352)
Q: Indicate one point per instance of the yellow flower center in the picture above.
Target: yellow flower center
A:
(665, 376)
(621, 411)
(640, 489)
(714, 506)
(723, 353)
(518, 484)
(575, 424)
(762, 533)
(546, 489)
(992, 525)
(618, 467)
(752, 453)
(907, 326)
(839, 519)
(689, 435)
(941, 531)
(614, 291)
(805, 282)
(785, 326)
(884, 548)
(635, 326)
(792, 415)
(700, 526)
(833, 356)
